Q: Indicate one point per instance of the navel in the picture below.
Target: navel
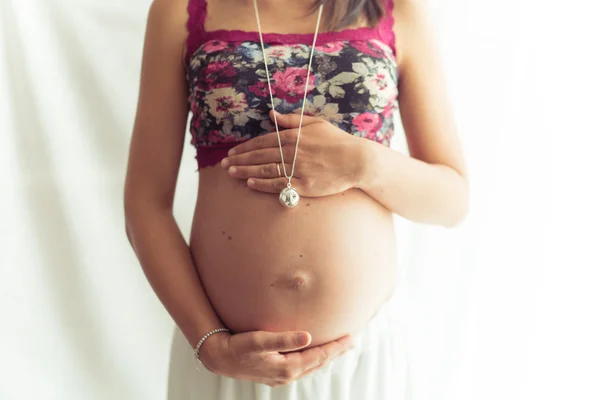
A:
(298, 282)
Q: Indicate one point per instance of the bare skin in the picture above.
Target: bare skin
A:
(243, 268)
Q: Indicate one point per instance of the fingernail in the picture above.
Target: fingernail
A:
(231, 152)
(301, 338)
(251, 182)
(232, 170)
(225, 163)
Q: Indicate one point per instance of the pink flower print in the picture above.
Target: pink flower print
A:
(367, 123)
(388, 110)
(193, 101)
(289, 85)
(260, 89)
(226, 103)
(386, 138)
(333, 47)
(364, 48)
(223, 68)
(215, 72)
(196, 122)
(381, 81)
(214, 45)
(277, 53)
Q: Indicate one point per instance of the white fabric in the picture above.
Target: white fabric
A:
(505, 307)
(376, 368)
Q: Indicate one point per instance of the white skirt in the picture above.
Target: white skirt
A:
(376, 368)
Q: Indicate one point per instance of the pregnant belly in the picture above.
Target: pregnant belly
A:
(324, 267)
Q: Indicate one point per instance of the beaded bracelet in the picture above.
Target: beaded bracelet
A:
(197, 349)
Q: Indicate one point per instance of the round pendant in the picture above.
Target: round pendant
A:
(289, 197)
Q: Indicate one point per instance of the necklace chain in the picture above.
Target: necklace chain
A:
(289, 177)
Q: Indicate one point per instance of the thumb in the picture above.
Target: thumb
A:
(262, 341)
(292, 120)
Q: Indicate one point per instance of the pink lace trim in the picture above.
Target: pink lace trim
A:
(195, 25)
(197, 35)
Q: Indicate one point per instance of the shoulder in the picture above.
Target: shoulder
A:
(411, 26)
(410, 17)
(170, 16)
(167, 24)
(168, 9)
(414, 12)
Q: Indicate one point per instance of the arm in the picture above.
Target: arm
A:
(154, 158)
(431, 185)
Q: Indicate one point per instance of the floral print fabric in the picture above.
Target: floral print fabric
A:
(352, 84)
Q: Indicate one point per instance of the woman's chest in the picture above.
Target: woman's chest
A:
(353, 84)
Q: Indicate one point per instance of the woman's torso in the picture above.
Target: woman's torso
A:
(328, 264)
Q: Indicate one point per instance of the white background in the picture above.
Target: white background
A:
(504, 307)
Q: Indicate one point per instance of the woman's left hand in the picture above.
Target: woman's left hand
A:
(328, 159)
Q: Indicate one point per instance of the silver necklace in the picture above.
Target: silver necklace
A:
(288, 197)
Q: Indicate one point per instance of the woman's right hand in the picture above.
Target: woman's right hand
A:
(257, 356)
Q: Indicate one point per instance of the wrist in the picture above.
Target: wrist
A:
(211, 350)
(362, 161)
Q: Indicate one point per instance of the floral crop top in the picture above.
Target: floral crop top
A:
(353, 83)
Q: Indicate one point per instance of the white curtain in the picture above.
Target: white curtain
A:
(503, 307)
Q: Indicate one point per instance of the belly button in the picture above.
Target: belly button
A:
(296, 283)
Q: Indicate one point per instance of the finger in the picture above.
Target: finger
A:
(256, 157)
(259, 171)
(273, 185)
(262, 341)
(317, 356)
(320, 366)
(265, 141)
(292, 120)
(311, 370)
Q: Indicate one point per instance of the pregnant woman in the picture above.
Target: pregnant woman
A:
(286, 287)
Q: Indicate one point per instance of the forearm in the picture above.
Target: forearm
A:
(169, 267)
(421, 192)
